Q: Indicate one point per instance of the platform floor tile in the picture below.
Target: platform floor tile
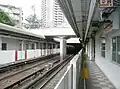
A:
(97, 79)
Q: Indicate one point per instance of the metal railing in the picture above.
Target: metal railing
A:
(70, 79)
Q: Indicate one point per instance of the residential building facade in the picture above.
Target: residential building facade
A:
(15, 13)
(52, 15)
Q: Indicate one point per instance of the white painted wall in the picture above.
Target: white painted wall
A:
(12, 44)
(33, 53)
(0, 43)
(111, 70)
(106, 64)
(9, 55)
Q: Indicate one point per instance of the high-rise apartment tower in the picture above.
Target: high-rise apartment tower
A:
(51, 14)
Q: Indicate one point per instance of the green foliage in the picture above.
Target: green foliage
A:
(5, 19)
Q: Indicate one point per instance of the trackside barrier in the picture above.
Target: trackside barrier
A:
(21, 55)
(70, 79)
(7, 56)
(33, 53)
(14, 55)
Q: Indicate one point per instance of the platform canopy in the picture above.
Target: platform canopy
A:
(76, 12)
(87, 16)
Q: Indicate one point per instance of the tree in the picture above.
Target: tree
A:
(33, 22)
(5, 18)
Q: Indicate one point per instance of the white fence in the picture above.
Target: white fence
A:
(6, 57)
(70, 78)
(21, 55)
(12, 55)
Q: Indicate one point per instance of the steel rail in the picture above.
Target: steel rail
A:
(25, 69)
(46, 74)
(45, 83)
(18, 82)
(21, 63)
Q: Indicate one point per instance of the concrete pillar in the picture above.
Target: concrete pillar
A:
(97, 46)
(86, 49)
(43, 49)
(38, 45)
(46, 48)
(91, 49)
(56, 48)
(22, 45)
(62, 48)
(0, 43)
(52, 48)
(35, 45)
(108, 48)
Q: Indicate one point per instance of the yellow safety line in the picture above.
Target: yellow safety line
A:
(85, 73)
(84, 69)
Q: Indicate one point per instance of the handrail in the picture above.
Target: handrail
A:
(70, 78)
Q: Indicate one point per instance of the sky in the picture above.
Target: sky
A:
(26, 5)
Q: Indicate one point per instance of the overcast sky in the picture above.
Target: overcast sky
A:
(26, 5)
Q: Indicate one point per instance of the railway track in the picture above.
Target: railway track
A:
(25, 68)
(28, 72)
(16, 65)
(28, 78)
(43, 79)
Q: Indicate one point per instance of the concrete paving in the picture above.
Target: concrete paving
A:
(97, 79)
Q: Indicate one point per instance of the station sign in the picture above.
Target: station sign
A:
(105, 3)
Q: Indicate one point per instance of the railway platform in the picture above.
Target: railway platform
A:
(96, 25)
(97, 79)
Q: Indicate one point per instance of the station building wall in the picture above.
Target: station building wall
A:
(11, 49)
(15, 44)
(12, 44)
(107, 49)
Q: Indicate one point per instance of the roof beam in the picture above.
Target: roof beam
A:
(68, 10)
(91, 12)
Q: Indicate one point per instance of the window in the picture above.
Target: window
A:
(37, 45)
(33, 46)
(4, 46)
(116, 49)
(20, 47)
(53, 45)
(103, 47)
(27, 46)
